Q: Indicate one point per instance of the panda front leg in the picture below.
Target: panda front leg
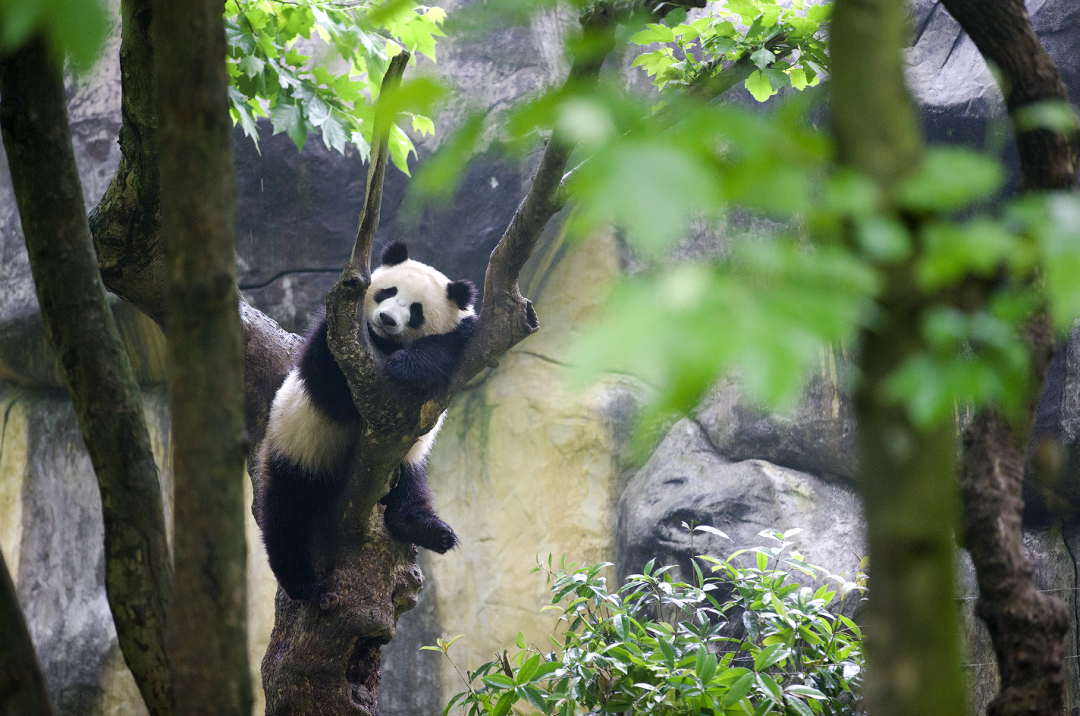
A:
(410, 515)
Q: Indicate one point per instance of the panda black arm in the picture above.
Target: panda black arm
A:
(428, 364)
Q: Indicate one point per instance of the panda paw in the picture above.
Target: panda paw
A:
(433, 534)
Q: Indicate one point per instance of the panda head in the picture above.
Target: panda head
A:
(409, 300)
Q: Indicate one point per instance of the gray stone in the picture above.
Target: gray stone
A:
(817, 436)
(686, 479)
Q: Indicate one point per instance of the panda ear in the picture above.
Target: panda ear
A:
(394, 254)
(462, 292)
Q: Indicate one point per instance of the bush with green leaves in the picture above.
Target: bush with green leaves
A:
(750, 641)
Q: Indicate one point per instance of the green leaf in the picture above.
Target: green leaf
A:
(807, 691)
(252, 65)
(770, 656)
(739, 690)
(655, 33)
(798, 78)
(762, 58)
(505, 702)
(288, 118)
(799, 707)
(528, 669)
(334, 133)
(705, 665)
(884, 240)
(950, 178)
(1055, 115)
(520, 640)
(758, 86)
(954, 250)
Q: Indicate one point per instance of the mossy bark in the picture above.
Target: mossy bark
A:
(208, 618)
(907, 481)
(91, 356)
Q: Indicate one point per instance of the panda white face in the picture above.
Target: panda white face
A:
(409, 300)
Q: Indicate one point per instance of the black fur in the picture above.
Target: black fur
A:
(428, 364)
(410, 516)
(384, 293)
(292, 505)
(395, 254)
(462, 292)
(325, 382)
(416, 315)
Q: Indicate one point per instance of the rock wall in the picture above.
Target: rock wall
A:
(529, 463)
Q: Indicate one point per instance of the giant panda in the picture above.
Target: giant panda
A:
(419, 321)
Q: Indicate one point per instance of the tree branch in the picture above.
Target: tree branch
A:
(126, 223)
(208, 616)
(92, 359)
(1003, 32)
(22, 686)
(1027, 627)
(346, 322)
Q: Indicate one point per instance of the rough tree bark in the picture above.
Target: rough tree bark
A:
(907, 485)
(126, 223)
(208, 616)
(92, 359)
(22, 687)
(1027, 627)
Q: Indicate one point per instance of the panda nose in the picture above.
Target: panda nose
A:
(387, 320)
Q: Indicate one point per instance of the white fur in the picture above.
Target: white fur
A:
(419, 451)
(304, 434)
(415, 283)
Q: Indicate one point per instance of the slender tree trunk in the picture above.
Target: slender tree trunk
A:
(22, 687)
(1027, 627)
(91, 356)
(208, 620)
(907, 481)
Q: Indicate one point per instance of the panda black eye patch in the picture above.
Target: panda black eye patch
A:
(416, 315)
(384, 293)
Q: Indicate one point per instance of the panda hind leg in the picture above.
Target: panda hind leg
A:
(410, 516)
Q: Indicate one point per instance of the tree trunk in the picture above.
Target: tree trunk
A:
(208, 619)
(22, 687)
(1027, 627)
(907, 480)
(91, 356)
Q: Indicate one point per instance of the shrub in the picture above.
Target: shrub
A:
(747, 641)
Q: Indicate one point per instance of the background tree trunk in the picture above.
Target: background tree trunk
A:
(208, 619)
(907, 479)
(22, 687)
(91, 356)
(1027, 627)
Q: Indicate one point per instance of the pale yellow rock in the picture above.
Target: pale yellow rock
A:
(262, 586)
(525, 466)
(13, 460)
(121, 695)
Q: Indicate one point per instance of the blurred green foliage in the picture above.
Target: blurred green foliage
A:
(333, 89)
(75, 28)
(748, 642)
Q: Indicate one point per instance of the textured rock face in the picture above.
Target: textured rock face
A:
(687, 479)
